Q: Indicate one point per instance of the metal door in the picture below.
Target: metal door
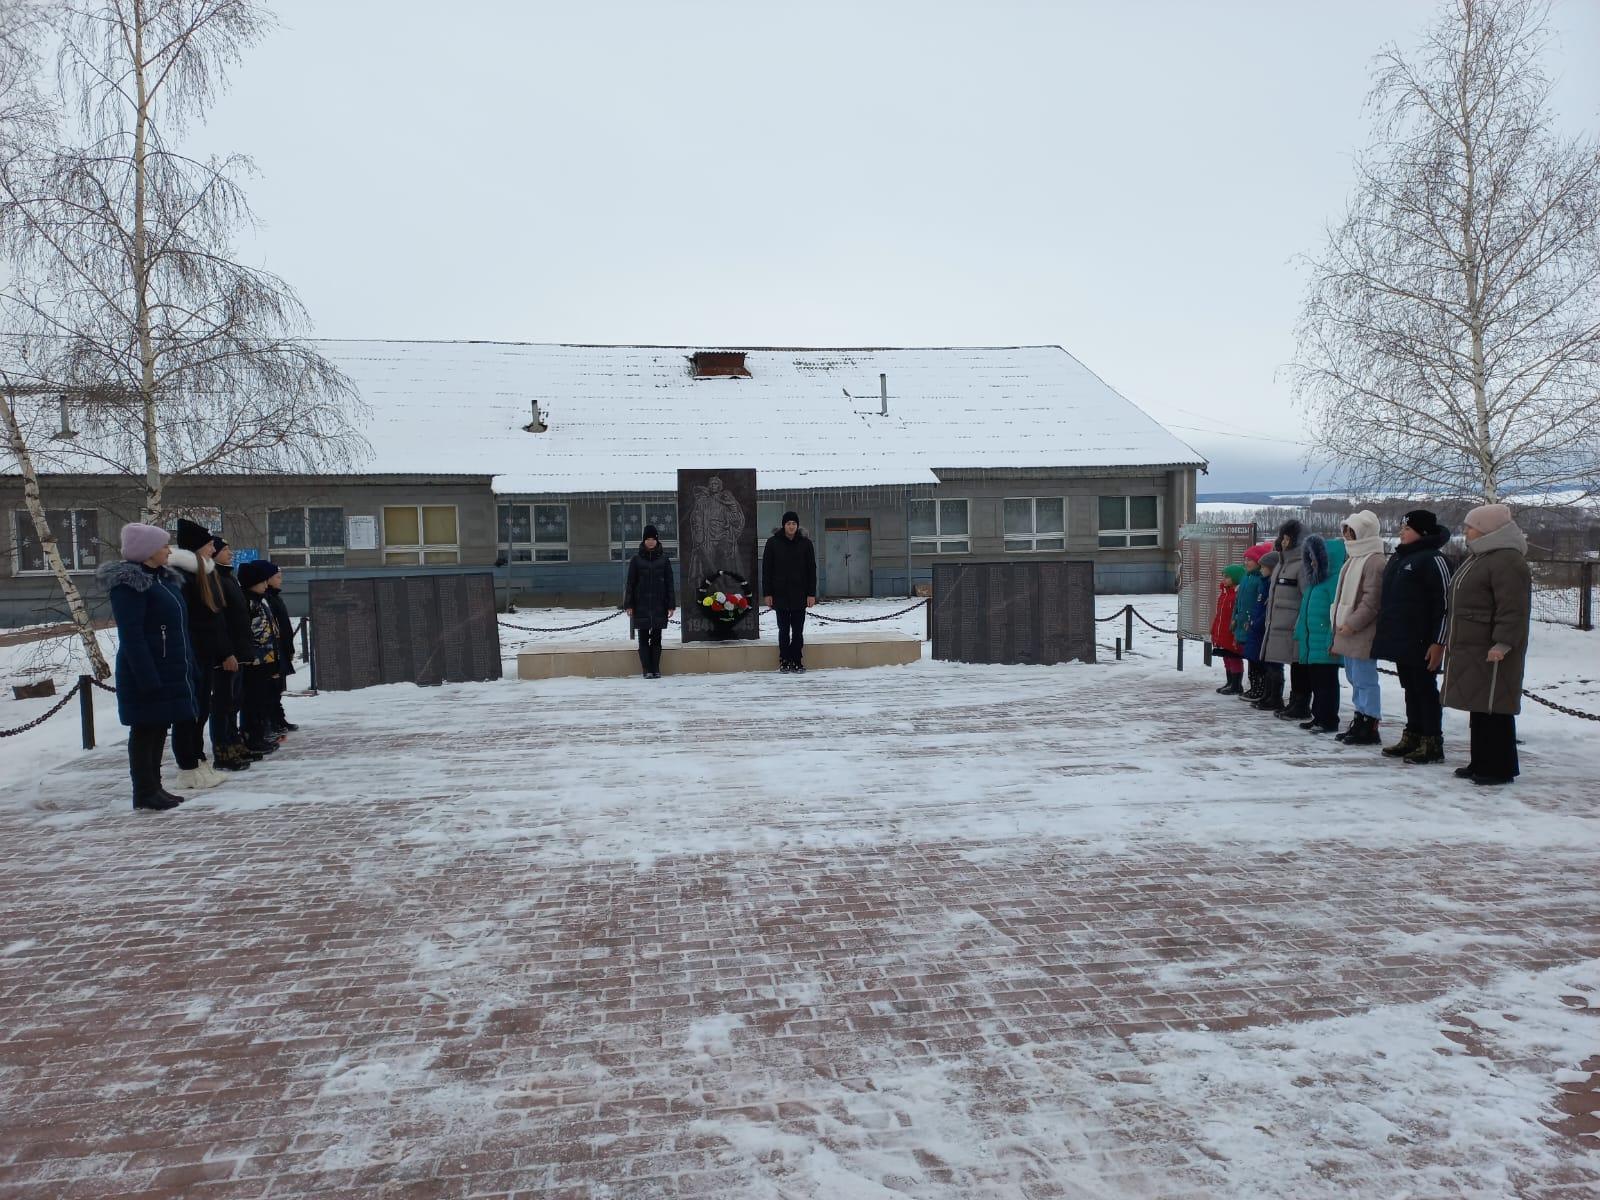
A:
(847, 556)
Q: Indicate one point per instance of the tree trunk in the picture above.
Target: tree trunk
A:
(47, 539)
(141, 277)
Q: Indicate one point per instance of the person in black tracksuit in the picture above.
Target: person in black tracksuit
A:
(261, 668)
(650, 599)
(789, 587)
(1412, 615)
(227, 742)
(280, 614)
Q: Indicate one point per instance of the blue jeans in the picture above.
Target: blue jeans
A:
(1365, 693)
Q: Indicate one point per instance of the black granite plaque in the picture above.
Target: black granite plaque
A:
(717, 532)
(424, 629)
(1021, 612)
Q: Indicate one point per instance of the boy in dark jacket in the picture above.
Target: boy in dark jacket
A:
(280, 613)
(789, 587)
(261, 670)
(1412, 614)
(227, 745)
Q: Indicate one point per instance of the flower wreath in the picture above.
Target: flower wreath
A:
(725, 597)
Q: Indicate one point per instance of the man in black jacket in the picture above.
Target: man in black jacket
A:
(1412, 614)
(789, 584)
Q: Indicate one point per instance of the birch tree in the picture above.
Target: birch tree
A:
(1450, 340)
(177, 359)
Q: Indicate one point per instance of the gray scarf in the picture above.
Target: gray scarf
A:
(1507, 537)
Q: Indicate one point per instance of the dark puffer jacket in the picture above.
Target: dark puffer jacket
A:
(237, 615)
(208, 630)
(280, 614)
(155, 671)
(789, 570)
(651, 592)
(1415, 600)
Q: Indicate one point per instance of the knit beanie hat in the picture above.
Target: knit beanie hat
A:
(1254, 554)
(1489, 517)
(191, 536)
(139, 542)
(1270, 559)
(791, 515)
(650, 532)
(1423, 521)
(1234, 572)
(218, 544)
(256, 572)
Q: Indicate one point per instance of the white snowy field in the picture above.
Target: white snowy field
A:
(941, 931)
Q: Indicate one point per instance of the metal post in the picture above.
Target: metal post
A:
(1119, 649)
(1127, 622)
(305, 641)
(86, 709)
(1180, 652)
(1205, 654)
(1586, 598)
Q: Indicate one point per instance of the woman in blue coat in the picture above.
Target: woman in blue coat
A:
(155, 667)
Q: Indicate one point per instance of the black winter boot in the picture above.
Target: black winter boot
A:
(1408, 742)
(1367, 735)
(1431, 750)
(1298, 708)
(1271, 701)
(1232, 687)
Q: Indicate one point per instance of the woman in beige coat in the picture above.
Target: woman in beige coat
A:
(1355, 623)
(1486, 643)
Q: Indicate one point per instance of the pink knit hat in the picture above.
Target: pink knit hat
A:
(1489, 517)
(1255, 552)
(139, 542)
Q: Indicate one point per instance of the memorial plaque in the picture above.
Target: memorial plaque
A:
(717, 531)
(1021, 612)
(1203, 551)
(424, 629)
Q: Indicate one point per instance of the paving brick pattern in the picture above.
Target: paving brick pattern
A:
(308, 1000)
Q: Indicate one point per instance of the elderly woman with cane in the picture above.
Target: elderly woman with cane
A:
(1486, 641)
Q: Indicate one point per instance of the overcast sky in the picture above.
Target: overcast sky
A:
(1129, 180)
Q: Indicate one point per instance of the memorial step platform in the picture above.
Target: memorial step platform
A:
(611, 660)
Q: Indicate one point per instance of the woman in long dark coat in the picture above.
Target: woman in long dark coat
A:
(1486, 642)
(155, 671)
(650, 598)
(1411, 626)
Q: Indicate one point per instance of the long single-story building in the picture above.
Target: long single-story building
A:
(545, 462)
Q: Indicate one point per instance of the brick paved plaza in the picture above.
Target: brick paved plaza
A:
(918, 932)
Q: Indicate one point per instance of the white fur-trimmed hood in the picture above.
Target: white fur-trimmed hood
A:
(189, 562)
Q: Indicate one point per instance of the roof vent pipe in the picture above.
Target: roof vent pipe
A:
(66, 431)
(536, 425)
(883, 395)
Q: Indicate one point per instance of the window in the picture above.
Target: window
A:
(420, 533)
(939, 527)
(211, 518)
(629, 519)
(1036, 523)
(535, 532)
(769, 516)
(77, 537)
(306, 537)
(1129, 521)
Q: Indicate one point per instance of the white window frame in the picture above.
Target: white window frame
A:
(938, 542)
(621, 553)
(66, 542)
(1028, 543)
(529, 552)
(424, 549)
(1126, 533)
(305, 554)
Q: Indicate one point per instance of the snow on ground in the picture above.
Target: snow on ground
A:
(937, 931)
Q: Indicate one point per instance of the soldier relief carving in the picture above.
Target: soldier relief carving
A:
(716, 521)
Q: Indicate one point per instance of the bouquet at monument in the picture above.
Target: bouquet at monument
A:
(725, 597)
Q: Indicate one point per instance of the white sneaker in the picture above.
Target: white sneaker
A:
(192, 780)
(213, 777)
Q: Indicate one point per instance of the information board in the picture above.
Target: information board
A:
(424, 629)
(1013, 612)
(1204, 549)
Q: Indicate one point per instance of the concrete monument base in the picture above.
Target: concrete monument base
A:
(607, 660)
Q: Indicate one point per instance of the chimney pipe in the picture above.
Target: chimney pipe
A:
(66, 431)
(536, 425)
(883, 394)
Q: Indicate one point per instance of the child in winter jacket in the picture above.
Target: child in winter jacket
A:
(261, 673)
(1222, 630)
(1313, 631)
(1250, 617)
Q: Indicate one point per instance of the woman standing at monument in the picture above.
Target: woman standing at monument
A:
(155, 670)
(650, 598)
(1486, 644)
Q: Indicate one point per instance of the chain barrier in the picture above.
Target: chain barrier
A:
(1151, 624)
(45, 716)
(1113, 616)
(563, 628)
(104, 687)
(867, 620)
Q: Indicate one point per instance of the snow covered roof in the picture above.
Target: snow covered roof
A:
(626, 418)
